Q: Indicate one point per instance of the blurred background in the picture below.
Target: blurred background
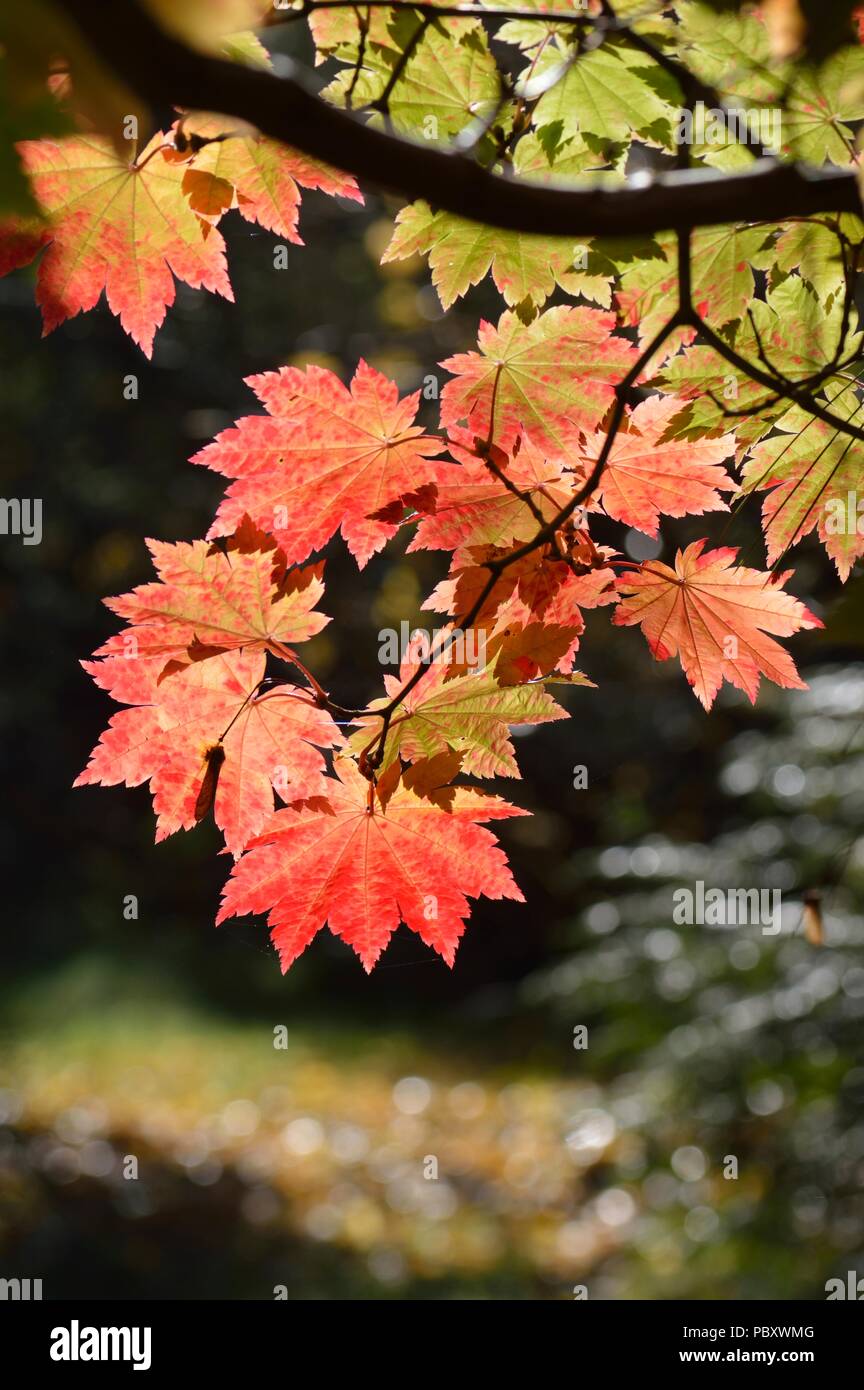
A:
(420, 1133)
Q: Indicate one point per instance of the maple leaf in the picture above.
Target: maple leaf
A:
(541, 582)
(815, 249)
(714, 616)
(551, 378)
(536, 592)
(427, 777)
(723, 260)
(818, 106)
(814, 474)
(800, 339)
(731, 51)
(608, 95)
(269, 739)
(524, 653)
(118, 227)
(450, 80)
(339, 32)
(322, 460)
(474, 506)
(644, 476)
(561, 611)
(469, 713)
(259, 177)
(525, 267)
(705, 386)
(363, 873)
(421, 500)
(239, 596)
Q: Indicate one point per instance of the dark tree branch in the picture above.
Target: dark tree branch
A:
(780, 386)
(382, 103)
(164, 71)
(363, 29)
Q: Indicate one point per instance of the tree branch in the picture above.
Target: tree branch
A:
(164, 71)
(780, 386)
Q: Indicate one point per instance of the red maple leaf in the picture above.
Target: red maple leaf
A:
(475, 505)
(554, 377)
(363, 871)
(644, 477)
(539, 587)
(322, 460)
(270, 739)
(218, 598)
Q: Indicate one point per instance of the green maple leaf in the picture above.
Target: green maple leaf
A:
(722, 263)
(610, 94)
(815, 250)
(815, 477)
(450, 79)
(544, 156)
(820, 105)
(798, 335)
(525, 268)
(470, 714)
(799, 339)
(731, 52)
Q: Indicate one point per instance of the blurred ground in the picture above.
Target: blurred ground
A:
(156, 1144)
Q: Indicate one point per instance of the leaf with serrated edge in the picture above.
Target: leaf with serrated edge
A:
(715, 616)
(322, 460)
(269, 740)
(362, 874)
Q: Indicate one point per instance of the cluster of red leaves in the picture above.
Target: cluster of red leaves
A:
(220, 712)
(387, 835)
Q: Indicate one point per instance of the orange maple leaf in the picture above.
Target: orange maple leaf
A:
(257, 176)
(714, 615)
(644, 478)
(118, 226)
(475, 506)
(239, 596)
(128, 226)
